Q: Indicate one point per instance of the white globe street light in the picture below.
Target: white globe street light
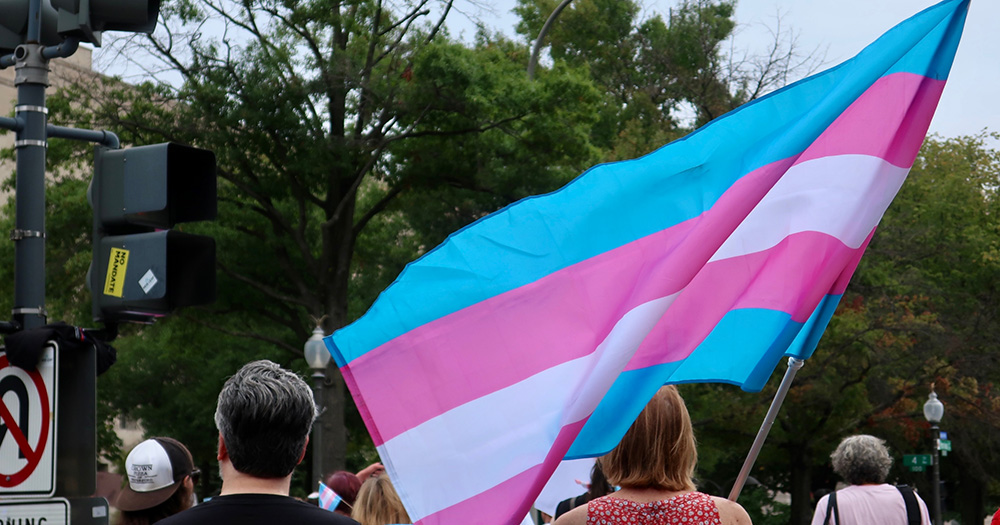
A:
(933, 409)
(315, 351)
(317, 356)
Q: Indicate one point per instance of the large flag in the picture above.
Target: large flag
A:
(539, 332)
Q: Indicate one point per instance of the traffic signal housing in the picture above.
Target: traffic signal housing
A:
(84, 19)
(141, 268)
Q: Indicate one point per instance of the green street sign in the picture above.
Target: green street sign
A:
(918, 460)
(945, 445)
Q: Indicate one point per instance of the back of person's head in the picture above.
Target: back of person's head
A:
(264, 415)
(378, 504)
(861, 459)
(658, 451)
(346, 485)
(156, 470)
(599, 485)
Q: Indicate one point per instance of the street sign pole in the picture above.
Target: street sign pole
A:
(31, 78)
(936, 476)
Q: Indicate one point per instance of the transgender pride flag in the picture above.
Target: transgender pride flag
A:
(328, 499)
(539, 332)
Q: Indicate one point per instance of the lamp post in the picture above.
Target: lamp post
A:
(933, 412)
(318, 357)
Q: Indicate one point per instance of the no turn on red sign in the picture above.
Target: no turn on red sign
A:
(27, 426)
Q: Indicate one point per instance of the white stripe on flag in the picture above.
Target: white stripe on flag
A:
(820, 195)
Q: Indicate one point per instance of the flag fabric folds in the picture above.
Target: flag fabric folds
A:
(539, 332)
(328, 499)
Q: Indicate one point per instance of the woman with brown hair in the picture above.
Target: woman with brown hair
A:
(654, 466)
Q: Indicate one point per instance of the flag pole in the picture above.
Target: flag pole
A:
(794, 364)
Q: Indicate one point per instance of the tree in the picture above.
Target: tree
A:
(350, 137)
(652, 70)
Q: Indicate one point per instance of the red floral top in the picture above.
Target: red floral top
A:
(692, 508)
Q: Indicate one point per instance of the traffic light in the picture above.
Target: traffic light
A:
(84, 19)
(141, 269)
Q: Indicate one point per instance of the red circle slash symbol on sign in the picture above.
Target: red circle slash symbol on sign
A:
(13, 425)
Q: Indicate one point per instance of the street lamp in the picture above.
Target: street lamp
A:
(318, 357)
(933, 412)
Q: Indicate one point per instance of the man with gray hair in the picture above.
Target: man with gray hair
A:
(264, 416)
(863, 461)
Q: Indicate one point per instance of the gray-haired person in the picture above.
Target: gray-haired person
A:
(264, 416)
(863, 461)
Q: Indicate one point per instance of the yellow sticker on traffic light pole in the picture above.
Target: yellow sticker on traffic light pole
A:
(115, 280)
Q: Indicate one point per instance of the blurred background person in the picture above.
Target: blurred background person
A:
(598, 487)
(375, 469)
(346, 485)
(161, 479)
(863, 461)
(654, 466)
(378, 504)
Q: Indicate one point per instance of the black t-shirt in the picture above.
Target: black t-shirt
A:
(255, 509)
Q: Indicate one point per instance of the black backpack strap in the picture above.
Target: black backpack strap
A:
(831, 509)
(912, 508)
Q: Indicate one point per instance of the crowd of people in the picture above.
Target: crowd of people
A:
(264, 416)
(265, 413)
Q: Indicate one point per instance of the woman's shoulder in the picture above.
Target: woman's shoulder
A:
(730, 512)
(577, 516)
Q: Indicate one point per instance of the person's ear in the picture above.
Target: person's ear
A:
(223, 453)
(303, 455)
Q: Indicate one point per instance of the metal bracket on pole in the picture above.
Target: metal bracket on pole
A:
(66, 48)
(40, 311)
(794, 364)
(11, 124)
(24, 143)
(31, 67)
(17, 235)
(104, 138)
(36, 109)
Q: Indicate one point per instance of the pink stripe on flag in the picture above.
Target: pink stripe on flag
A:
(889, 121)
(507, 498)
(840, 286)
(791, 277)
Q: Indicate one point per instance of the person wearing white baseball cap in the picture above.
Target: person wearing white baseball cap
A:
(160, 481)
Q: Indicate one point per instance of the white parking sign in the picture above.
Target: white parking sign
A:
(54, 511)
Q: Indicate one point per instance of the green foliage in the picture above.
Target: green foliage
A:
(350, 138)
(762, 506)
(648, 69)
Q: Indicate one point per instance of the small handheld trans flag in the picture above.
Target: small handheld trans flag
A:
(328, 499)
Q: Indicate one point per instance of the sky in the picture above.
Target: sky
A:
(838, 29)
(834, 30)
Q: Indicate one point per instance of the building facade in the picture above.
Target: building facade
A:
(61, 69)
